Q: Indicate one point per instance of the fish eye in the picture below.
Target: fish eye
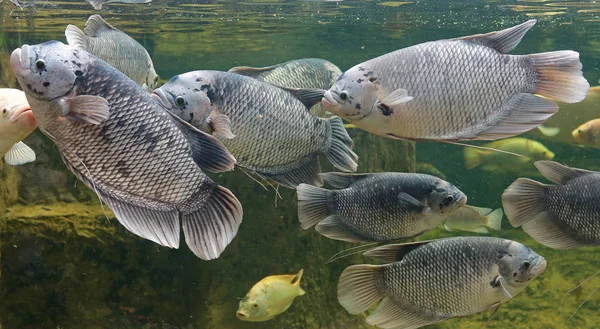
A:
(449, 198)
(344, 95)
(40, 64)
(255, 305)
(526, 265)
(179, 101)
(4, 111)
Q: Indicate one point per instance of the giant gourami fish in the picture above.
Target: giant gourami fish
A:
(16, 123)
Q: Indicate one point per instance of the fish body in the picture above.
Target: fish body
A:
(97, 4)
(144, 163)
(491, 160)
(116, 48)
(588, 133)
(473, 219)
(270, 297)
(377, 207)
(16, 123)
(427, 282)
(458, 89)
(560, 216)
(268, 129)
(299, 73)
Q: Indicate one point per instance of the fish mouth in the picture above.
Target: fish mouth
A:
(160, 97)
(462, 200)
(540, 266)
(329, 99)
(19, 59)
(20, 112)
(241, 315)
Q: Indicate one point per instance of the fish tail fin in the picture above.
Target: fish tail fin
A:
(296, 282)
(523, 200)
(472, 157)
(209, 230)
(340, 152)
(560, 76)
(494, 219)
(76, 38)
(312, 205)
(357, 289)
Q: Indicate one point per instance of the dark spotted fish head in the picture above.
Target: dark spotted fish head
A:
(444, 197)
(518, 264)
(49, 70)
(353, 95)
(186, 96)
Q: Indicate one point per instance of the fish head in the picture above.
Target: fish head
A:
(519, 264)
(444, 197)
(585, 133)
(183, 97)
(49, 70)
(353, 96)
(16, 121)
(252, 308)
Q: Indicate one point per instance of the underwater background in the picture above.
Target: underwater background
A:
(67, 263)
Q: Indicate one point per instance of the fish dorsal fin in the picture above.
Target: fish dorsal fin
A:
(308, 96)
(207, 151)
(253, 72)
(96, 24)
(559, 173)
(394, 252)
(342, 180)
(503, 41)
(296, 278)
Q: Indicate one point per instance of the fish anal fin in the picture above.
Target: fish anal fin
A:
(333, 227)
(504, 40)
(559, 173)
(306, 172)
(341, 179)
(394, 314)
(394, 252)
(85, 108)
(96, 24)
(545, 229)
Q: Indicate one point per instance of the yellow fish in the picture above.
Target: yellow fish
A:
(588, 133)
(497, 161)
(271, 296)
(473, 219)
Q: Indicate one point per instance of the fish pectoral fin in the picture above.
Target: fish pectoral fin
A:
(559, 173)
(394, 252)
(86, 108)
(498, 283)
(207, 151)
(503, 41)
(253, 72)
(333, 227)
(308, 96)
(221, 126)
(396, 98)
(407, 200)
(391, 314)
(19, 154)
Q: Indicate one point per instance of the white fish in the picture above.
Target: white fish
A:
(16, 123)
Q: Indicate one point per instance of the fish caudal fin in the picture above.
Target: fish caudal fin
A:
(312, 205)
(211, 228)
(390, 314)
(523, 201)
(340, 152)
(296, 282)
(19, 154)
(494, 219)
(75, 37)
(333, 227)
(472, 157)
(303, 173)
(357, 288)
(560, 76)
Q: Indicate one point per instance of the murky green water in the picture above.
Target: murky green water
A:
(64, 265)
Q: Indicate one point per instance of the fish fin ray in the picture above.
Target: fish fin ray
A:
(357, 288)
(207, 151)
(85, 108)
(96, 24)
(312, 205)
(394, 252)
(504, 40)
(333, 227)
(253, 72)
(560, 76)
(545, 230)
(389, 314)
(559, 173)
(396, 98)
(523, 200)
(339, 152)
(211, 228)
(19, 154)
(526, 112)
(221, 126)
(305, 173)
(472, 157)
(76, 38)
(341, 179)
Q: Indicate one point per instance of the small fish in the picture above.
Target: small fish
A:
(270, 297)
(473, 219)
(16, 123)
(97, 4)
(267, 128)
(588, 133)
(429, 169)
(116, 48)
(377, 207)
(490, 160)
(143, 162)
(430, 281)
(460, 89)
(303, 73)
(559, 216)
